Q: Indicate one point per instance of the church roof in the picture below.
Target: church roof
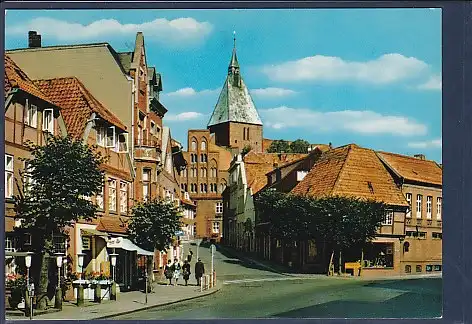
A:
(234, 104)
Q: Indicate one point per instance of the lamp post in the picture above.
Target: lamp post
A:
(58, 299)
(29, 287)
(113, 257)
(146, 278)
(80, 288)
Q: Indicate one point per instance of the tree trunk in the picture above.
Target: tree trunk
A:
(43, 281)
(330, 265)
(340, 263)
(362, 261)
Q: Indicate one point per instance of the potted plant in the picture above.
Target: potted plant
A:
(17, 286)
(98, 279)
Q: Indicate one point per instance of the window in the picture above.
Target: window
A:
(59, 242)
(27, 239)
(211, 187)
(419, 268)
(140, 135)
(194, 229)
(122, 143)
(8, 176)
(216, 227)
(219, 207)
(99, 198)
(123, 197)
(408, 268)
(110, 137)
(247, 135)
(437, 267)
(153, 127)
(31, 117)
(85, 243)
(194, 145)
(112, 194)
(101, 135)
(388, 218)
(429, 202)
(48, 120)
(215, 186)
(146, 184)
(205, 158)
(28, 180)
(301, 175)
(419, 200)
(10, 245)
(421, 235)
(408, 199)
(438, 208)
(437, 235)
(203, 146)
(429, 268)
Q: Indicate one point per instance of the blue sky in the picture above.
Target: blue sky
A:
(365, 76)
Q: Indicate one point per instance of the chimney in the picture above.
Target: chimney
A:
(420, 156)
(34, 40)
(330, 145)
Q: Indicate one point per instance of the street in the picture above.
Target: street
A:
(252, 292)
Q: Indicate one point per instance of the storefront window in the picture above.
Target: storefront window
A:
(379, 255)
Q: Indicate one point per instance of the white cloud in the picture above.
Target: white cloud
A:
(272, 92)
(176, 31)
(363, 122)
(436, 143)
(434, 83)
(189, 92)
(188, 115)
(387, 68)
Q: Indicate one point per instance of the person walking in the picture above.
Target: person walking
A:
(186, 271)
(190, 255)
(177, 269)
(169, 272)
(199, 271)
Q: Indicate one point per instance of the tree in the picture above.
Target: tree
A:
(154, 223)
(279, 146)
(246, 150)
(299, 146)
(62, 174)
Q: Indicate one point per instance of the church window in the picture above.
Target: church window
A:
(194, 145)
(203, 146)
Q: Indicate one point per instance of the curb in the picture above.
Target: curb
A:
(155, 306)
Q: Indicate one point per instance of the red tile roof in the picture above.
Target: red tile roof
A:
(15, 77)
(112, 224)
(257, 165)
(414, 169)
(351, 171)
(77, 103)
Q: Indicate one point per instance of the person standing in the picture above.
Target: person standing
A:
(186, 271)
(169, 272)
(177, 269)
(199, 271)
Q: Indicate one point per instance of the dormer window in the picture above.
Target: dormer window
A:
(106, 136)
(48, 120)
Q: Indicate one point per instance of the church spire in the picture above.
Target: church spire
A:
(233, 64)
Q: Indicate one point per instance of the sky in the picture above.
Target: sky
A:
(366, 76)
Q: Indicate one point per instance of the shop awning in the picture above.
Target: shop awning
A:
(125, 244)
(93, 232)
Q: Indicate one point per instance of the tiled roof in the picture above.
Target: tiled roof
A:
(266, 144)
(77, 103)
(414, 169)
(113, 224)
(16, 78)
(257, 165)
(351, 171)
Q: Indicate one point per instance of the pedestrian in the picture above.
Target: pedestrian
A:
(199, 271)
(186, 271)
(189, 256)
(169, 272)
(177, 269)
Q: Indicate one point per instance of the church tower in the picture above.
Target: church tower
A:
(235, 122)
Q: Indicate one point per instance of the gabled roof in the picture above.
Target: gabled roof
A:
(125, 59)
(15, 77)
(77, 103)
(257, 165)
(413, 169)
(351, 171)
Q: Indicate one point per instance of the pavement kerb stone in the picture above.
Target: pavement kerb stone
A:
(210, 292)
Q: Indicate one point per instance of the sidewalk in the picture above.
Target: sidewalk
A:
(127, 302)
(251, 258)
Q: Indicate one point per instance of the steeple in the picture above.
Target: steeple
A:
(233, 64)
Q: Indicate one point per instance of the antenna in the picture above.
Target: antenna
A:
(234, 39)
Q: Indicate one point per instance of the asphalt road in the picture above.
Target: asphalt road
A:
(252, 292)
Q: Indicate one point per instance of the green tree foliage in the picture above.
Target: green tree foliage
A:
(63, 172)
(154, 223)
(299, 146)
(246, 150)
(342, 222)
(279, 146)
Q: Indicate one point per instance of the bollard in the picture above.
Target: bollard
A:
(97, 297)
(113, 291)
(80, 295)
(58, 298)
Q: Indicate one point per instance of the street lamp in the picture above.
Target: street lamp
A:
(30, 288)
(80, 288)
(58, 299)
(113, 257)
(28, 257)
(64, 262)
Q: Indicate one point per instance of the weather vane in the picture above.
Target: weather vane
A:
(234, 38)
